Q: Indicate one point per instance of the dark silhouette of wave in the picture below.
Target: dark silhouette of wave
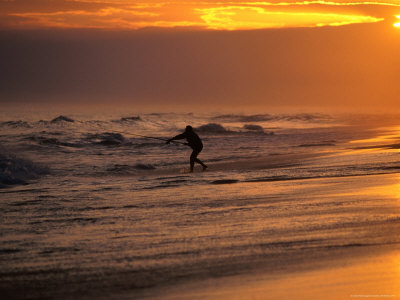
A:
(317, 145)
(62, 118)
(254, 128)
(106, 138)
(225, 181)
(50, 141)
(219, 129)
(130, 119)
(16, 124)
(212, 128)
(14, 170)
(244, 118)
(268, 117)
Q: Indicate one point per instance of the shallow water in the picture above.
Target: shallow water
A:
(89, 207)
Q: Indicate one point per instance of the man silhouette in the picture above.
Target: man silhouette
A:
(194, 142)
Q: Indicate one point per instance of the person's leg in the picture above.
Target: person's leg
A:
(201, 163)
(193, 158)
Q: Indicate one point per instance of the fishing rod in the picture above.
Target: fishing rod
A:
(150, 137)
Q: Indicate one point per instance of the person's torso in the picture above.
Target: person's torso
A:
(194, 141)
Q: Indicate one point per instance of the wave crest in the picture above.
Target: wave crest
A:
(219, 129)
(268, 117)
(62, 118)
(253, 128)
(16, 124)
(106, 138)
(212, 128)
(15, 170)
(130, 119)
(244, 118)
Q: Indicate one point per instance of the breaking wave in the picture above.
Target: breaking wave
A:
(49, 141)
(14, 171)
(219, 129)
(212, 128)
(129, 119)
(106, 138)
(268, 117)
(16, 124)
(254, 128)
(244, 118)
(62, 118)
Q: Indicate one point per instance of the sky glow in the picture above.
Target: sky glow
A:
(203, 15)
(397, 24)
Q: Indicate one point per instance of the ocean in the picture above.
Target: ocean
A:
(99, 206)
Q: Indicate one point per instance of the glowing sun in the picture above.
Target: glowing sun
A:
(398, 23)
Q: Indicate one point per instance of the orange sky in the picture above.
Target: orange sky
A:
(202, 53)
(225, 15)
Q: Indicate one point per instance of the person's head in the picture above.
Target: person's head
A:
(189, 128)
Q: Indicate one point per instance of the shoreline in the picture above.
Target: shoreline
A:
(319, 274)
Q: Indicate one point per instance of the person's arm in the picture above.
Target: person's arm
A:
(177, 137)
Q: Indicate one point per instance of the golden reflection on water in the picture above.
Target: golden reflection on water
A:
(392, 190)
(372, 277)
(391, 134)
(386, 185)
(389, 141)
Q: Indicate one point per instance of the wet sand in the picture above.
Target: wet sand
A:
(266, 162)
(372, 272)
(353, 270)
